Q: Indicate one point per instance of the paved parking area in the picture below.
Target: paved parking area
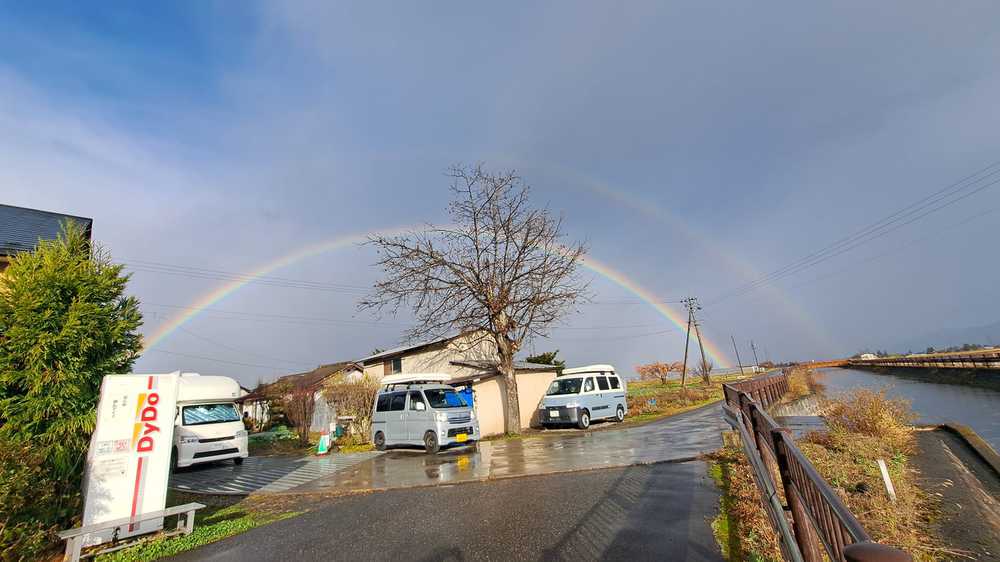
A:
(262, 474)
(681, 437)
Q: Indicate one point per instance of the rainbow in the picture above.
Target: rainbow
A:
(219, 293)
(679, 320)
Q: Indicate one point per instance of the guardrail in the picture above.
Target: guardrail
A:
(819, 520)
(990, 360)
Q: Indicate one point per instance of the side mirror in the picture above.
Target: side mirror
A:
(420, 407)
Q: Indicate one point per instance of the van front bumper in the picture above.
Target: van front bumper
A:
(558, 415)
(450, 436)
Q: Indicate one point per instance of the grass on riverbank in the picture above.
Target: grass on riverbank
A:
(863, 427)
(223, 516)
(650, 400)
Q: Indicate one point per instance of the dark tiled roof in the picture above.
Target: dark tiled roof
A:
(310, 379)
(492, 365)
(20, 228)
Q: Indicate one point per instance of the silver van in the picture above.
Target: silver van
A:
(420, 410)
(581, 395)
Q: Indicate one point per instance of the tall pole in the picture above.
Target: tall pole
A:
(737, 350)
(754, 348)
(687, 341)
(704, 364)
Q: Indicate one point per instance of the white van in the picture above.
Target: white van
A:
(208, 426)
(421, 410)
(584, 394)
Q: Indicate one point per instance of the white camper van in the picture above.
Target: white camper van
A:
(208, 425)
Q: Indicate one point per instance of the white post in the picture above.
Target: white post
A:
(885, 478)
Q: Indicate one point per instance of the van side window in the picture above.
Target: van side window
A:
(383, 403)
(614, 382)
(416, 397)
(588, 385)
(398, 402)
(602, 383)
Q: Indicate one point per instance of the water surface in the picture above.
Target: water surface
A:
(978, 408)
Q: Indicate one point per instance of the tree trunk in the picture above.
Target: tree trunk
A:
(512, 417)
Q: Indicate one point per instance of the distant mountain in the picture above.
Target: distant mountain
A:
(985, 335)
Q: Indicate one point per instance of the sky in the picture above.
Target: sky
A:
(695, 149)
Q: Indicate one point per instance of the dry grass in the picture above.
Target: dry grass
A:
(742, 527)
(864, 427)
(801, 382)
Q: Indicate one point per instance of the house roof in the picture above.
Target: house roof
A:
(309, 379)
(407, 348)
(21, 228)
(489, 369)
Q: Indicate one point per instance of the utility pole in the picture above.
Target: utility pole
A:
(737, 350)
(688, 302)
(704, 364)
(754, 348)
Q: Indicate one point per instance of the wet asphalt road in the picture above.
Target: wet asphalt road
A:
(652, 512)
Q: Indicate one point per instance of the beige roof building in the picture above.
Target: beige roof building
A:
(470, 360)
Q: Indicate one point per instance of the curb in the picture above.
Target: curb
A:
(976, 443)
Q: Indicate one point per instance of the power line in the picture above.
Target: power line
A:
(272, 367)
(223, 275)
(934, 202)
(243, 351)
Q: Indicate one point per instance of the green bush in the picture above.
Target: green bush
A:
(65, 321)
(28, 503)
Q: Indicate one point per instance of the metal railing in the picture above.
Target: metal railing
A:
(819, 519)
(989, 360)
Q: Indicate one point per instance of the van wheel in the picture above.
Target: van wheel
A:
(431, 444)
(584, 421)
(380, 441)
(173, 460)
(238, 461)
(620, 414)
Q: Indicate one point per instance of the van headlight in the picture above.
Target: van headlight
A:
(441, 416)
(188, 439)
(573, 405)
(472, 414)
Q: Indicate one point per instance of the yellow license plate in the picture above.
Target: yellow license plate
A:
(461, 437)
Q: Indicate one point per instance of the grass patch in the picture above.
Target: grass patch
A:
(222, 517)
(742, 528)
(862, 428)
(650, 400)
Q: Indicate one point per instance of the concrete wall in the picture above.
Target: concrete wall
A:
(490, 403)
(490, 397)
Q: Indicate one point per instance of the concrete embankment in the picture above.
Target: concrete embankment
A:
(983, 378)
(968, 487)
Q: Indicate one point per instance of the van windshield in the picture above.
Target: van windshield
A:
(444, 398)
(210, 413)
(564, 386)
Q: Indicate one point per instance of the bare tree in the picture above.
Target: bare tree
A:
(705, 370)
(499, 270)
(354, 398)
(653, 371)
(300, 404)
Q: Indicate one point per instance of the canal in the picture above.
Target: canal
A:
(978, 408)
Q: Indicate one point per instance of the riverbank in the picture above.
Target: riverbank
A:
(967, 488)
(863, 428)
(982, 378)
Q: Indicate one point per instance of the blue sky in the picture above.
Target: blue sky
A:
(693, 148)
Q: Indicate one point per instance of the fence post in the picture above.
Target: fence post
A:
(805, 535)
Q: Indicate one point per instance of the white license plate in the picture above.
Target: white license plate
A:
(553, 413)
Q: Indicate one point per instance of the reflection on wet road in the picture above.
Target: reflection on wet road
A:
(679, 437)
